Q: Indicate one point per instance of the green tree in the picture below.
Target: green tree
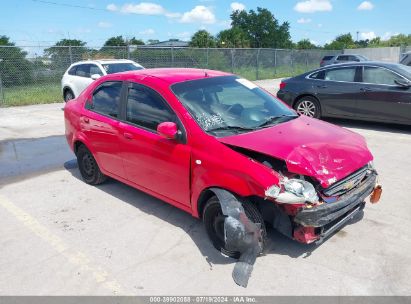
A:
(202, 39)
(15, 69)
(305, 44)
(262, 28)
(232, 38)
(65, 52)
(344, 41)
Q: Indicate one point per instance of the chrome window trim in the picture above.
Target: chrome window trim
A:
(356, 66)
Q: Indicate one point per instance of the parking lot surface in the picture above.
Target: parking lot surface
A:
(60, 236)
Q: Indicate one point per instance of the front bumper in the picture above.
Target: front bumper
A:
(324, 214)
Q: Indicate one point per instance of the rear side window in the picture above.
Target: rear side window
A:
(341, 74)
(83, 70)
(376, 75)
(146, 108)
(106, 99)
(317, 75)
(343, 58)
(72, 71)
(328, 57)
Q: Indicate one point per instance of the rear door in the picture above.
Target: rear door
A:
(381, 98)
(100, 124)
(151, 161)
(83, 76)
(337, 89)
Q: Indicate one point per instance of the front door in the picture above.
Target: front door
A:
(151, 161)
(382, 98)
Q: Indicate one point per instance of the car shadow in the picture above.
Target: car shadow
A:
(276, 243)
(368, 125)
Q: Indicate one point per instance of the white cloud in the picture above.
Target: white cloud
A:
(104, 24)
(312, 6)
(365, 6)
(112, 7)
(388, 35)
(199, 14)
(237, 6)
(315, 42)
(320, 25)
(142, 8)
(304, 20)
(368, 35)
(148, 32)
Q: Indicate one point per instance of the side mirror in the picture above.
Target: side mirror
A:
(95, 76)
(167, 130)
(403, 83)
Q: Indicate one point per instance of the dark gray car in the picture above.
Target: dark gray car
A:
(406, 58)
(342, 58)
(373, 91)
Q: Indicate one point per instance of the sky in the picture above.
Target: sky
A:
(38, 22)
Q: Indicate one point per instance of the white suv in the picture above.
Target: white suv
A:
(80, 74)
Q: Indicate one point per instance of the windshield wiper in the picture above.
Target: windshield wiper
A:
(273, 120)
(229, 128)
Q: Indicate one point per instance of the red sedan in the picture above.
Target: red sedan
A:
(219, 147)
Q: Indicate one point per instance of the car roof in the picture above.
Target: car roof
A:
(171, 75)
(104, 61)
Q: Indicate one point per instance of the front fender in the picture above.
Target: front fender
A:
(239, 185)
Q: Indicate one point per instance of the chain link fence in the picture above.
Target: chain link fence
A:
(29, 78)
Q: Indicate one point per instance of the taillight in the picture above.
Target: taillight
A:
(282, 85)
(322, 61)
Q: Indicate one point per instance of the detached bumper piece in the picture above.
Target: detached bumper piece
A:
(324, 214)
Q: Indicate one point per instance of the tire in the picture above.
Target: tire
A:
(308, 106)
(89, 168)
(68, 95)
(213, 220)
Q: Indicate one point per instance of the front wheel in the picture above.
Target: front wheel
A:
(308, 106)
(214, 218)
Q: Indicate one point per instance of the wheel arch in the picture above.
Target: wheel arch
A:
(301, 96)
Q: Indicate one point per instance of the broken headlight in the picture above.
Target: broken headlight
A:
(293, 191)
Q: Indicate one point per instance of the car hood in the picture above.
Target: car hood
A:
(309, 147)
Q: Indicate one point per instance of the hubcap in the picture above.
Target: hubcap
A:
(88, 165)
(307, 108)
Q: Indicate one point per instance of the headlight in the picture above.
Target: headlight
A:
(370, 165)
(294, 191)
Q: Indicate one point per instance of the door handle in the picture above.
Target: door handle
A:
(366, 90)
(86, 120)
(128, 136)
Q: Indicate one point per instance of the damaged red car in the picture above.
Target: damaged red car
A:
(219, 147)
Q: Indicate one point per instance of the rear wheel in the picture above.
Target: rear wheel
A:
(89, 169)
(214, 218)
(308, 106)
(68, 95)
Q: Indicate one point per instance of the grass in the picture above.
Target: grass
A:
(44, 92)
(31, 94)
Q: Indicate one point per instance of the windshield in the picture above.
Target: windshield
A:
(230, 104)
(120, 67)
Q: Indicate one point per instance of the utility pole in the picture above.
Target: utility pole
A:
(357, 35)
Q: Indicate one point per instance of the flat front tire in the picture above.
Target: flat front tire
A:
(213, 219)
(89, 168)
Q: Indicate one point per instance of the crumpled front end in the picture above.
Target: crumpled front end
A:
(315, 219)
